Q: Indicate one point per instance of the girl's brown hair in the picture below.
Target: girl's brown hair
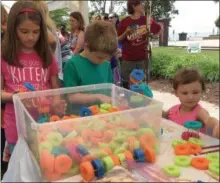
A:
(130, 5)
(78, 16)
(11, 45)
(187, 76)
(4, 15)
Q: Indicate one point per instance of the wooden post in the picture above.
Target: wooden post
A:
(148, 46)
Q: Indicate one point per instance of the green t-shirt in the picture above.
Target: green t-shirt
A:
(80, 71)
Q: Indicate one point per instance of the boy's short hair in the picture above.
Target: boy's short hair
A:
(187, 76)
(101, 36)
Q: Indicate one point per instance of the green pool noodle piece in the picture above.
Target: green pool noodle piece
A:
(156, 148)
(73, 171)
(213, 157)
(55, 138)
(143, 131)
(45, 145)
(121, 157)
(82, 127)
(103, 145)
(178, 141)
(119, 138)
(182, 161)
(125, 145)
(196, 141)
(103, 111)
(137, 101)
(120, 150)
(136, 144)
(172, 170)
(105, 106)
(100, 154)
(71, 134)
(113, 145)
(214, 168)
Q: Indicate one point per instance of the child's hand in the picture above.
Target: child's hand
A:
(59, 106)
(118, 54)
(215, 132)
(103, 98)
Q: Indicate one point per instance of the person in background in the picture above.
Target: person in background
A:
(42, 5)
(77, 35)
(91, 66)
(114, 19)
(105, 17)
(188, 85)
(4, 17)
(132, 35)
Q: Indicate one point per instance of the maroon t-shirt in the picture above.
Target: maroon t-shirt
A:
(134, 45)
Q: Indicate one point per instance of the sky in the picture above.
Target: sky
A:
(194, 16)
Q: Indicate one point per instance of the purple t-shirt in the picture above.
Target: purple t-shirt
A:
(14, 78)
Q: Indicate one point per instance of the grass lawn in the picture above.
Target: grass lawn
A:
(212, 55)
(167, 60)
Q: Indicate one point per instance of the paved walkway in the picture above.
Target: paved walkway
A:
(169, 100)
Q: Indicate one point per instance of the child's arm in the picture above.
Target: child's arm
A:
(81, 98)
(79, 44)
(209, 121)
(5, 96)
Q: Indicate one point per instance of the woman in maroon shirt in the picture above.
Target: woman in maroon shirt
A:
(132, 35)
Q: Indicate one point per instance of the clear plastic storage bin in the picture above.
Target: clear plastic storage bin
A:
(61, 146)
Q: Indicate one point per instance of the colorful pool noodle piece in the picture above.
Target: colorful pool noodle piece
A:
(85, 111)
(29, 86)
(137, 76)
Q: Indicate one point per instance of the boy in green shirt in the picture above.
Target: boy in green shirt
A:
(91, 66)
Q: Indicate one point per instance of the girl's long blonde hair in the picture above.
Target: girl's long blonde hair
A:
(42, 6)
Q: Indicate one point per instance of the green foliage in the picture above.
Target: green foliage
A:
(163, 9)
(166, 61)
(60, 16)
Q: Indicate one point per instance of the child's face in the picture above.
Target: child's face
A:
(189, 94)
(98, 57)
(28, 33)
(74, 23)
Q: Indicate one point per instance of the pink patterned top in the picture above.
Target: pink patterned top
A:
(174, 115)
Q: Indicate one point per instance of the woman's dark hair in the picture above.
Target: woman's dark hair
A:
(105, 17)
(130, 5)
(78, 16)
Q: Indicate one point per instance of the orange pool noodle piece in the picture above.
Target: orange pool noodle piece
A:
(95, 141)
(200, 163)
(47, 161)
(63, 163)
(128, 155)
(182, 149)
(54, 118)
(87, 171)
(108, 151)
(115, 159)
(86, 134)
(65, 117)
(108, 135)
(72, 116)
(114, 109)
(150, 155)
(147, 140)
(132, 126)
(94, 109)
(194, 148)
(88, 158)
(97, 134)
(52, 176)
(110, 126)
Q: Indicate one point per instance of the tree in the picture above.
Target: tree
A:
(99, 7)
(60, 16)
(163, 9)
